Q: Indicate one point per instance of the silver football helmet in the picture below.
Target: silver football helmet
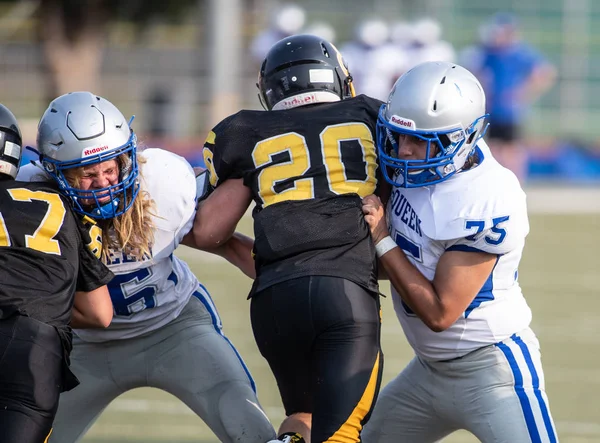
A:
(442, 103)
(82, 129)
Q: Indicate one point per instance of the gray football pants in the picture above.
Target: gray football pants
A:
(497, 393)
(189, 358)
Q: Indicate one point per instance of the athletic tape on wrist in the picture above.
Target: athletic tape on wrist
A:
(385, 245)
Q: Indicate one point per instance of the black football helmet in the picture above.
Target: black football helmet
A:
(301, 70)
(10, 143)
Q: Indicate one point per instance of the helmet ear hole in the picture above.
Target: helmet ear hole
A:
(472, 137)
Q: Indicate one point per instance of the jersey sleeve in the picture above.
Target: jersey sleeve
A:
(92, 272)
(171, 183)
(498, 234)
(219, 151)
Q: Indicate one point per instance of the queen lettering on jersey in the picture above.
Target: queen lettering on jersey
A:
(148, 294)
(482, 209)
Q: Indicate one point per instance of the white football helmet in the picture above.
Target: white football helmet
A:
(82, 129)
(442, 103)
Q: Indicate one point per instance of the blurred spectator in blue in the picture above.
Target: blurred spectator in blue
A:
(472, 56)
(514, 75)
(286, 20)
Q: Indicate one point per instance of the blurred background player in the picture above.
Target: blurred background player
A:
(452, 248)
(49, 280)
(306, 162)
(321, 29)
(166, 332)
(285, 20)
(513, 75)
(375, 62)
(426, 43)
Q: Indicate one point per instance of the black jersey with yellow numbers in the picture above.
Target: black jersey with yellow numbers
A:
(308, 169)
(45, 254)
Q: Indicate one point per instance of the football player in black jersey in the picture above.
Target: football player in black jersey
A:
(306, 162)
(49, 280)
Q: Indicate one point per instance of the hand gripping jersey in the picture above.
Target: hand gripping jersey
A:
(148, 294)
(308, 168)
(482, 209)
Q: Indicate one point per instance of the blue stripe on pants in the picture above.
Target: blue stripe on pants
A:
(207, 301)
(520, 390)
(536, 387)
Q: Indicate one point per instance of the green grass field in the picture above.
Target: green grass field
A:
(560, 276)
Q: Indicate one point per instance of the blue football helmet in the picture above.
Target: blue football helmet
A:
(438, 102)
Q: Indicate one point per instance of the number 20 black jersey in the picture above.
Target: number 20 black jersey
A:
(308, 169)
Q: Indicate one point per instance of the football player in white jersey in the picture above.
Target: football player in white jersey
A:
(451, 245)
(166, 332)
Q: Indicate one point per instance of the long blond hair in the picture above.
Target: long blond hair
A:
(131, 232)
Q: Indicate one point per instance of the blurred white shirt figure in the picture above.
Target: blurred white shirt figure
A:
(286, 20)
(402, 34)
(372, 60)
(427, 44)
(321, 29)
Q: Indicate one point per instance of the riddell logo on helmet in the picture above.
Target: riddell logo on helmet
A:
(402, 122)
(299, 100)
(92, 151)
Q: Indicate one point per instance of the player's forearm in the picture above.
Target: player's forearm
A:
(92, 309)
(238, 251)
(539, 82)
(80, 321)
(416, 291)
(208, 232)
(218, 215)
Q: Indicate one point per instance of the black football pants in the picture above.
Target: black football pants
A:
(321, 338)
(31, 362)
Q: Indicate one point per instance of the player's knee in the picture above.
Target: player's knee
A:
(242, 416)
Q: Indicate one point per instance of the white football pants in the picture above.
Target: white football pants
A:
(497, 393)
(189, 358)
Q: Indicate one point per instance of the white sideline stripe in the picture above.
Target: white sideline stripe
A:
(540, 200)
(563, 200)
(275, 413)
(170, 408)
